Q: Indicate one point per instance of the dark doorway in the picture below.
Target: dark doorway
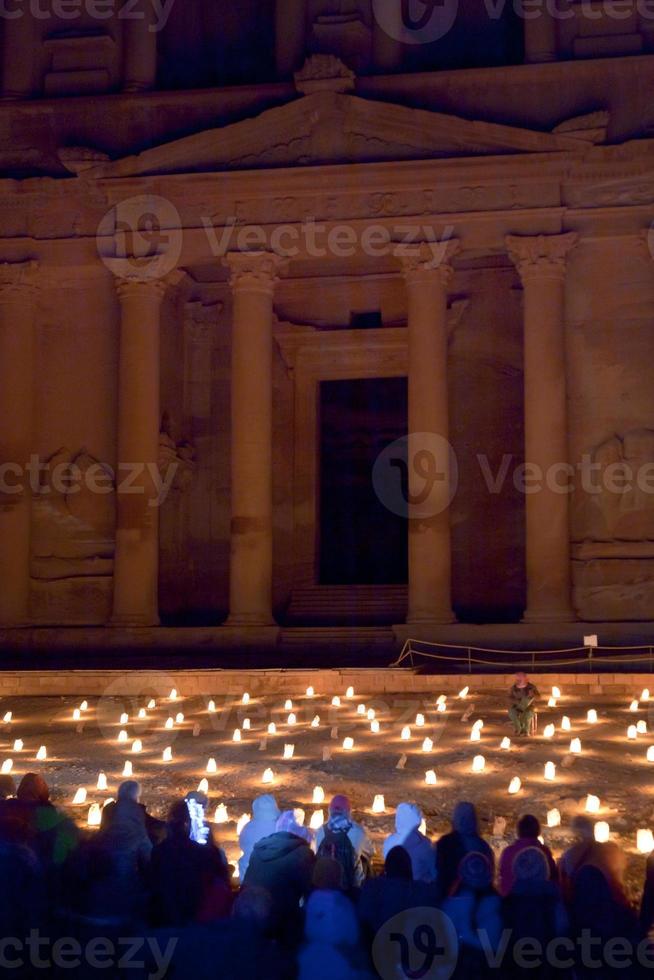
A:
(361, 542)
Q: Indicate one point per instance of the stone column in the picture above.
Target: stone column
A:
(140, 40)
(290, 35)
(540, 36)
(386, 44)
(19, 45)
(253, 278)
(17, 348)
(136, 561)
(428, 271)
(541, 263)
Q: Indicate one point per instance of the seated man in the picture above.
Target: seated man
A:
(522, 696)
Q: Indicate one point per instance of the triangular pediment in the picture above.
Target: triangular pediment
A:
(331, 127)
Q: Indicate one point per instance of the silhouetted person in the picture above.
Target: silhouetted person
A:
(32, 819)
(343, 839)
(534, 910)
(393, 892)
(265, 814)
(475, 909)
(528, 831)
(522, 703)
(585, 850)
(600, 910)
(331, 947)
(453, 847)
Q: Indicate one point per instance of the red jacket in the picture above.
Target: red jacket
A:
(509, 854)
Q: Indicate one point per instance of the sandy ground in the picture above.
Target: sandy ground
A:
(611, 766)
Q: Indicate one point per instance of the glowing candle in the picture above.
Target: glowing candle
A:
(122, 735)
(291, 720)
(211, 707)
(142, 713)
(650, 754)
(7, 766)
(42, 754)
(430, 777)
(478, 724)
(378, 804)
(556, 692)
(505, 744)
(361, 709)
(645, 841)
(288, 705)
(591, 717)
(128, 771)
(317, 820)
(211, 765)
(420, 720)
(349, 693)
(203, 786)
(169, 723)
(124, 718)
(84, 706)
(246, 698)
(246, 724)
(515, 785)
(441, 699)
(632, 732)
(137, 745)
(167, 755)
(565, 724)
(152, 704)
(550, 771)
(478, 763)
(242, 822)
(318, 795)
(77, 714)
(348, 744)
(268, 776)
(272, 728)
(548, 731)
(634, 706)
(179, 718)
(405, 734)
(102, 781)
(310, 692)
(374, 727)
(463, 693)
(7, 718)
(475, 735)
(315, 721)
(18, 745)
(442, 706)
(641, 727)
(288, 751)
(336, 701)
(575, 746)
(236, 737)
(551, 703)
(427, 745)
(602, 832)
(370, 714)
(645, 695)
(592, 804)
(221, 815)
(94, 818)
(553, 818)
(173, 694)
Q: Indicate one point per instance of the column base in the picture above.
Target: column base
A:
(548, 616)
(133, 622)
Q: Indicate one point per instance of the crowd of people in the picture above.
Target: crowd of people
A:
(305, 905)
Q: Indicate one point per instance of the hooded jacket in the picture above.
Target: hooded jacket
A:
(419, 848)
(453, 847)
(282, 863)
(265, 814)
(331, 948)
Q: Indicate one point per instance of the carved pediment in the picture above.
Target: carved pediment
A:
(335, 127)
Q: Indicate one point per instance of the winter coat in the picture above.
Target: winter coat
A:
(265, 814)
(419, 848)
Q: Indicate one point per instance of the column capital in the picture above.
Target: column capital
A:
(428, 261)
(541, 256)
(255, 272)
(140, 275)
(18, 277)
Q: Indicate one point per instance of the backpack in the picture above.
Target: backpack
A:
(337, 845)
